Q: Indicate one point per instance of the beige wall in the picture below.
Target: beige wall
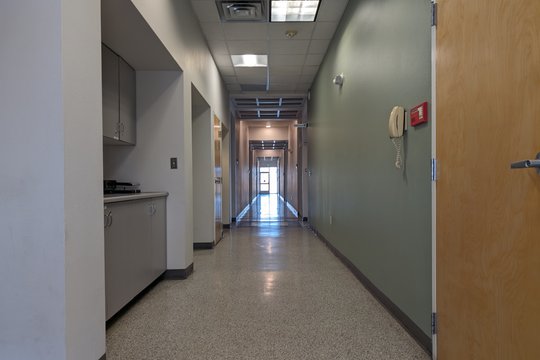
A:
(263, 133)
(242, 166)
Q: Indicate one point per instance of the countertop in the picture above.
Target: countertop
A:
(112, 198)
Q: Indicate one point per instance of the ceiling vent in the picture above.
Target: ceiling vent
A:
(242, 10)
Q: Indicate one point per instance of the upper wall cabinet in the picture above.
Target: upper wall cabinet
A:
(119, 120)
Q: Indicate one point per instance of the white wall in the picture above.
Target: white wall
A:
(161, 135)
(175, 23)
(51, 222)
(203, 176)
(85, 263)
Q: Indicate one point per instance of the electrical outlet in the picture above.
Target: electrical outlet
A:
(174, 163)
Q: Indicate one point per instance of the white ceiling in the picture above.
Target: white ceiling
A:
(293, 63)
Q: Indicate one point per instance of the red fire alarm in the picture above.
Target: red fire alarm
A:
(419, 114)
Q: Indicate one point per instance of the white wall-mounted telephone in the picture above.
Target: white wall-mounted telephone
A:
(396, 122)
(396, 127)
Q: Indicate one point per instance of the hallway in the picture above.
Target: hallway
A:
(265, 292)
(269, 209)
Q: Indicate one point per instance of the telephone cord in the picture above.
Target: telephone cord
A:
(397, 144)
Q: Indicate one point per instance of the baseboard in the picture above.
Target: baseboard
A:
(178, 274)
(203, 246)
(292, 209)
(242, 213)
(421, 338)
(104, 357)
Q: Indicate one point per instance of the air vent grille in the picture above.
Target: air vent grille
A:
(242, 11)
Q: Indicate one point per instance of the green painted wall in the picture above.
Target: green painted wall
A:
(381, 215)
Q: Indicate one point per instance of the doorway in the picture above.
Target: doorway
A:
(203, 171)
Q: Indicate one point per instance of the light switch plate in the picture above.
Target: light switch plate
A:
(174, 163)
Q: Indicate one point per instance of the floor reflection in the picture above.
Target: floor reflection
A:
(267, 209)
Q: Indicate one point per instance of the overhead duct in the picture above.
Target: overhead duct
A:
(242, 11)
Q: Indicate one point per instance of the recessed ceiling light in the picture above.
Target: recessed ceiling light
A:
(285, 10)
(249, 60)
(268, 125)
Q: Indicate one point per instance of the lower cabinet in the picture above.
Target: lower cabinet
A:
(135, 249)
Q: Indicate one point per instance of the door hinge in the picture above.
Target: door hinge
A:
(434, 14)
(434, 170)
(433, 323)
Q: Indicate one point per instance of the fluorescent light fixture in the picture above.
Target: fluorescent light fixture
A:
(285, 10)
(249, 60)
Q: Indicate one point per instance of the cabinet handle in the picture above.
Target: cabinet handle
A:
(108, 219)
(122, 128)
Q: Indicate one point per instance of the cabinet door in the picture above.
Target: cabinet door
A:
(110, 96)
(127, 103)
(159, 237)
(130, 226)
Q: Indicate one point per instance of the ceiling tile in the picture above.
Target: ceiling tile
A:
(237, 47)
(324, 30)
(314, 59)
(213, 31)
(310, 70)
(230, 79)
(318, 46)
(206, 10)
(223, 60)
(249, 80)
(218, 47)
(227, 71)
(331, 10)
(282, 87)
(307, 78)
(284, 78)
(288, 47)
(278, 60)
(251, 75)
(278, 30)
(249, 31)
(285, 69)
(233, 87)
(303, 86)
(251, 72)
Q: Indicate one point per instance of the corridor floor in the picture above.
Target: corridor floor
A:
(265, 292)
(267, 208)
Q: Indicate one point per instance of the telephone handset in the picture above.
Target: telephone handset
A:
(396, 122)
(396, 127)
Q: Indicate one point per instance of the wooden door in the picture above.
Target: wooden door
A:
(218, 177)
(488, 216)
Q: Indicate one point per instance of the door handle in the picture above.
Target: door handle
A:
(525, 164)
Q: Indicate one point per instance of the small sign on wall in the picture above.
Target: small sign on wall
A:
(419, 114)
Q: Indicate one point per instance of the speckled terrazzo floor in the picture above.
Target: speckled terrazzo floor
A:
(266, 292)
